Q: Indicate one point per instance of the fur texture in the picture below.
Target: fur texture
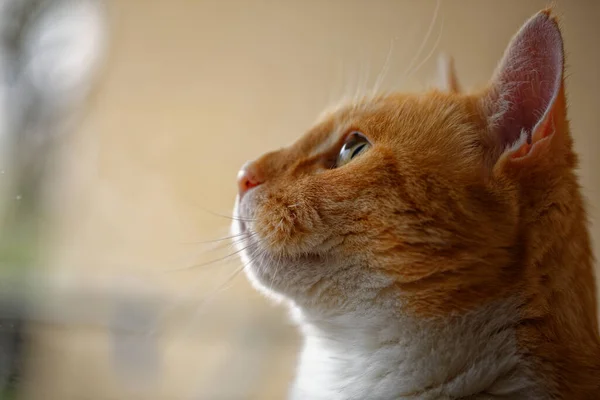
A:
(451, 260)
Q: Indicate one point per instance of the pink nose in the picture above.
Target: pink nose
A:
(247, 178)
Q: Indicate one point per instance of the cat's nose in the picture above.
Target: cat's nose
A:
(248, 177)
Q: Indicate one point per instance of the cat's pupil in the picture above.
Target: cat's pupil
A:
(358, 149)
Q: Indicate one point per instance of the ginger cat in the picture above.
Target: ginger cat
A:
(434, 246)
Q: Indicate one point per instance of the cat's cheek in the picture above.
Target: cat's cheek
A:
(289, 228)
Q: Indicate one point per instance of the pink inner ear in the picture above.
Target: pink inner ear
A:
(527, 81)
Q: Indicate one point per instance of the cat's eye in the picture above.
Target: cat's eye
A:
(355, 144)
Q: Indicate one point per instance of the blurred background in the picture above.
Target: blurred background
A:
(122, 126)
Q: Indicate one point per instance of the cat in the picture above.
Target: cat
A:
(435, 245)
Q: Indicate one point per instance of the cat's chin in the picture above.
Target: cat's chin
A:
(277, 276)
(254, 270)
(318, 280)
(267, 273)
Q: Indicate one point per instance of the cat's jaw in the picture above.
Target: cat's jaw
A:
(374, 354)
(329, 285)
(366, 347)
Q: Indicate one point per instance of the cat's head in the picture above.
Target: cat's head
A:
(416, 201)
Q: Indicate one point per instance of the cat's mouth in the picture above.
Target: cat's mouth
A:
(268, 269)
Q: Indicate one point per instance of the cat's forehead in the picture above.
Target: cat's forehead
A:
(398, 119)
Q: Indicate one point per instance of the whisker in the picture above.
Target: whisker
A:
(171, 305)
(206, 300)
(365, 80)
(433, 49)
(226, 216)
(230, 278)
(333, 97)
(218, 240)
(238, 241)
(221, 246)
(362, 81)
(207, 263)
(253, 258)
(384, 69)
(422, 46)
(169, 308)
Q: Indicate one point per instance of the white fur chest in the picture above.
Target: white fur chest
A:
(365, 357)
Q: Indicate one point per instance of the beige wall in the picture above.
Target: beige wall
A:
(191, 91)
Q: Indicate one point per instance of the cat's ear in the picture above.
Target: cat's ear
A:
(525, 104)
(447, 74)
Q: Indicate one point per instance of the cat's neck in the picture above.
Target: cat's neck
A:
(560, 325)
(390, 357)
(541, 343)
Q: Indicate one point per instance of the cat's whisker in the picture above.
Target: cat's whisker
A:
(174, 303)
(365, 82)
(160, 319)
(221, 246)
(362, 83)
(357, 91)
(433, 49)
(255, 256)
(235, 218)
(336, 94)
(351, 80)
(208, 263)
(277, 264)
(223, 285)
(425, 39)
(217, 240)
(384, 70)
(224, 243)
